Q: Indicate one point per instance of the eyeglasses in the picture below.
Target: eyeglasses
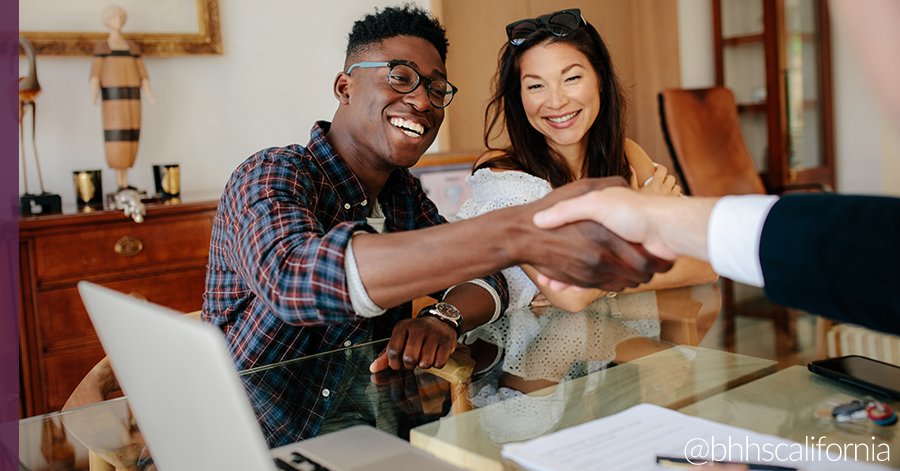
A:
(560, 23)
(405, 79)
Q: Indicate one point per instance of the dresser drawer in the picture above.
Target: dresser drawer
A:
(62, 319)
(120, 246)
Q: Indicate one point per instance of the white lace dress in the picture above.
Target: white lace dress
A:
(580, 343)
(552, 345)
(495, 190)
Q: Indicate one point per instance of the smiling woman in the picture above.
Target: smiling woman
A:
(558, 98)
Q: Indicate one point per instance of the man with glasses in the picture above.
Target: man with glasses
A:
(321, 247)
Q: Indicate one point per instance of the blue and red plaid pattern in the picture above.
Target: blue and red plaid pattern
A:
(275, 281)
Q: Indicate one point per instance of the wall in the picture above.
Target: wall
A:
(273, 81)
(891, 160)
(695, 44)
(862, 131)
(867, 153)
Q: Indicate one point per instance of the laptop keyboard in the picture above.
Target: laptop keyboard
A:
(299, 463)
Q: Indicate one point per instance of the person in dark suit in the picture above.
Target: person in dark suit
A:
(833, 255)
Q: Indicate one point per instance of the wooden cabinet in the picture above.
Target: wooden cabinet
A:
(776, 57)
(162, 259)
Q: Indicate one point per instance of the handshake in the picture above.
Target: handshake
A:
(613, 238)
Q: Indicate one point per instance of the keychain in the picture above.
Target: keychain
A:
(861, 409)
(881, 414)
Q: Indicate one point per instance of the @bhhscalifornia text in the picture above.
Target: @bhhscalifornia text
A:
(701, 451)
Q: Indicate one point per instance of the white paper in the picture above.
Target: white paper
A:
(632, 439)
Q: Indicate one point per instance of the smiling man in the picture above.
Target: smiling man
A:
(323, 246)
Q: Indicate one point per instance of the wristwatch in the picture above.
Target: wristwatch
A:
(445, 312)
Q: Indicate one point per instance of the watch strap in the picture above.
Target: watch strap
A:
(433, 312)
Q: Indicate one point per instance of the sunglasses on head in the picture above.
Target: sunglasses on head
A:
(560, 23)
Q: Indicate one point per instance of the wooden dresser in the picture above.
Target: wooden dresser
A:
(163, 259)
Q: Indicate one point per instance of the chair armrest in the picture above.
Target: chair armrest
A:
(459, 367)
(99, 383)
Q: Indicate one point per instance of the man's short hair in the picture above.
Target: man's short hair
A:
(408, 20)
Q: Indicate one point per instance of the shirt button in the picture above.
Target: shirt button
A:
(348, 343)
(326, 393)
(365, 202)
(346, 205)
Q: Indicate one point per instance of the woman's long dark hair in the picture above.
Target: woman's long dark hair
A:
(528, 150)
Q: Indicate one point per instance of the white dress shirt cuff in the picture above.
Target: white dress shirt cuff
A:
(735, 228)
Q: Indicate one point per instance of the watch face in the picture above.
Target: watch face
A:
(447, 311)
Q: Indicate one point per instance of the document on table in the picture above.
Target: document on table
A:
(632, 439)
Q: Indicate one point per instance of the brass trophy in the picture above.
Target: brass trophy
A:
(168, 182)
(88, 190)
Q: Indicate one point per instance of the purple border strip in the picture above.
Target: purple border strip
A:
(9, 236)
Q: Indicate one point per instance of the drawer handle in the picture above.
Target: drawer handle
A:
(135, 294)
(129, 246)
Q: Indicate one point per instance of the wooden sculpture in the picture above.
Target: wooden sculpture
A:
(29, 89)
(119, 74)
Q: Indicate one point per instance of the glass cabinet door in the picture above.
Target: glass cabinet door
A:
(744, 69)
(802, 85)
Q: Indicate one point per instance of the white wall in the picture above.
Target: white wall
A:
(891, 162)
(273, 81)
(857, 122)
(867, 156)
(695, 44)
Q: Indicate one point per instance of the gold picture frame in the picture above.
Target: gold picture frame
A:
(207, 40)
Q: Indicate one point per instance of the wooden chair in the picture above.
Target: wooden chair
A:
(835, 340)
(703, 133)
(97, 386)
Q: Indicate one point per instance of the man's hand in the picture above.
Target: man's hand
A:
(424, 342)
(585, 253)
(621, 211)
(666, 227)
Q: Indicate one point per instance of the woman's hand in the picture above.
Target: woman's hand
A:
(660, 183)
(540, 301)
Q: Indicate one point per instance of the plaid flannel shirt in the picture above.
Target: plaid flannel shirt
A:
(275, 281)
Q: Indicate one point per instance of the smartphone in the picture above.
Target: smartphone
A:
(866, 373)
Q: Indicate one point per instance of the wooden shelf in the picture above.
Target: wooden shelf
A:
(805, 37)
(753, 107)
(743, 40)
(448, 158)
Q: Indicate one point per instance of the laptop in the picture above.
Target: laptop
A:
(191, 406)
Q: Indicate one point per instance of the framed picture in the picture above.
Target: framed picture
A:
(446, 186)
(160, 27)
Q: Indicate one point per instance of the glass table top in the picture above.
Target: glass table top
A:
(532, 372)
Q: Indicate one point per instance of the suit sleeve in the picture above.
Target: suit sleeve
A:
(836, 256)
